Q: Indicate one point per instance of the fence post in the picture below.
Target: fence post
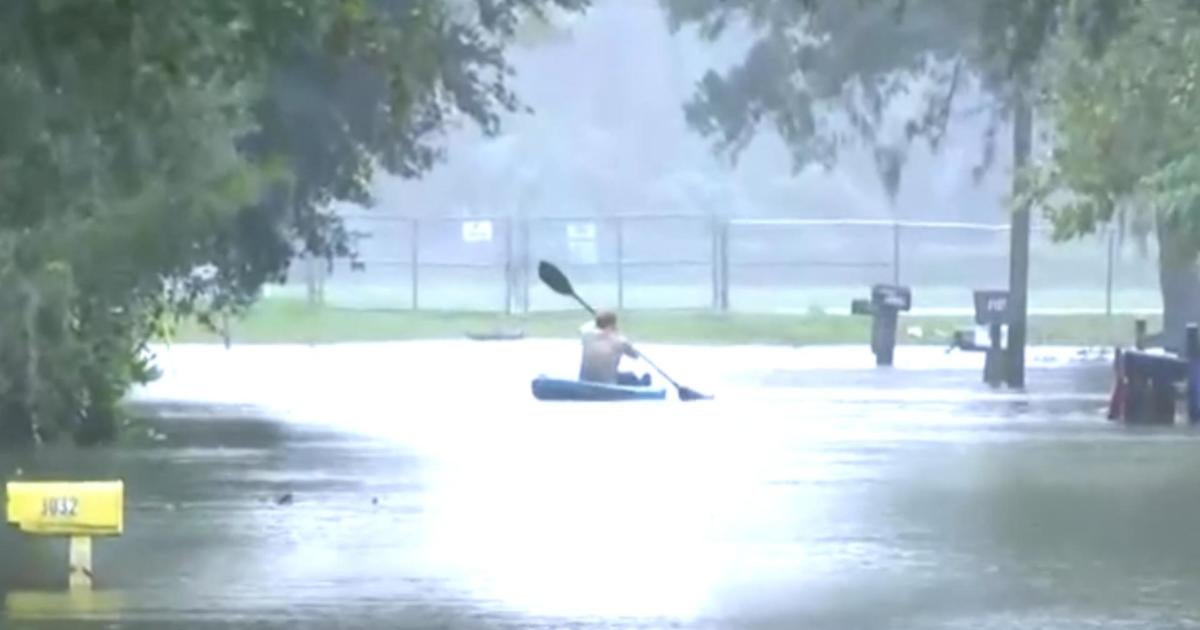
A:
(313, 280)
(510, 278)
(415, 262)
(713, 259)
(1108, 280)
(620, 263)
(723, 249)
(525, 263)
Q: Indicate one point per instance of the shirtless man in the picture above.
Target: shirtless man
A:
(603, 347)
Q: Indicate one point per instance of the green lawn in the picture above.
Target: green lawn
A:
(287, 321)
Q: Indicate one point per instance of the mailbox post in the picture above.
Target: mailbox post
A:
(887, 300)
(78, 510)
(991, 310)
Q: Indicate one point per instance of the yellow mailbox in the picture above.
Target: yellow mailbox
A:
(78, 509)
(67, 508)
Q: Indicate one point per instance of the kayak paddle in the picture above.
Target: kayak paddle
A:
(558, 282)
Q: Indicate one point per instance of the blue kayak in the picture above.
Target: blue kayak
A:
(547, 388)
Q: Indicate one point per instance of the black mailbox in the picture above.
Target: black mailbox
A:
(886, 302)
(991, 307)
(991, 310)
(891, 296)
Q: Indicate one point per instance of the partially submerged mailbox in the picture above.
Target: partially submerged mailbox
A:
(887, 300)
(79, 510)
(991, 310)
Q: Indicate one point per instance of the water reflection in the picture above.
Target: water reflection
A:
(55, 605)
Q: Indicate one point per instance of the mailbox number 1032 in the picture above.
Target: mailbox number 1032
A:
(60, 506)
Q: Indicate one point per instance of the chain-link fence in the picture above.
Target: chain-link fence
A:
(672, 262)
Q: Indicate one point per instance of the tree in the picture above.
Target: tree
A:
(808, 75)
(112, 157)
(159, 160)
(1123, 149)
(822, 73)
(815, 64)
(401, 76)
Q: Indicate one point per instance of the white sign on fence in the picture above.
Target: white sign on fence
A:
(581, 243)
(477, 231)
(581, 231)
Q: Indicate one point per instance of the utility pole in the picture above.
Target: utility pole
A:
(1018, 256)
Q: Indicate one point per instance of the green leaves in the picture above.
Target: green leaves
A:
(1125, 115)
(168, 159)
(824, 74)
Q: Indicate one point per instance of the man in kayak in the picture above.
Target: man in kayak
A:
(603, 347)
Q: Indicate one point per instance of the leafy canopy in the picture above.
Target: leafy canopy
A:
(1125, 120)
(823, 73)
(165, 159)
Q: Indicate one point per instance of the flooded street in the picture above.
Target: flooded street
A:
(419, 485)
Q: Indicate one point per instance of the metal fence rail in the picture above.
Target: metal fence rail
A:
(750, 265)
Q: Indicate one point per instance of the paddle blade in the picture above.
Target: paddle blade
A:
(555, 279)
(687, 393)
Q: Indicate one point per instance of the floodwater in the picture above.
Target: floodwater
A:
(429, 490)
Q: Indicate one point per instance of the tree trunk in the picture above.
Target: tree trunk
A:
(1179, 281)
(18, 408)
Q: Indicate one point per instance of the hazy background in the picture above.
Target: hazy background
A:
(608, 138)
